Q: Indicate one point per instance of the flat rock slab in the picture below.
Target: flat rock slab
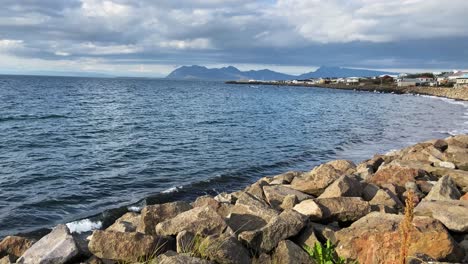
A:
(56, 247)
(453, 214)
(199, 220)
(128, 246)
(376, 238)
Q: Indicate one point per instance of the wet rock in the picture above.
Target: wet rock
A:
(172, 257)
(151, 215)
(343, 209)
(127, 223)
(444, 189)
(284, 226)
(289, 253)
(453, 214)
(128, 246)
(56, 247)
(344, 186)
(309, 208)
(317, 180)
(285, 178)
(199, 220)
(224, 249)
(275, 195)
(375, 238)
(15, 246)
(249, 213)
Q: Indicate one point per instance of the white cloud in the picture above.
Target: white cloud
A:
(199, 43)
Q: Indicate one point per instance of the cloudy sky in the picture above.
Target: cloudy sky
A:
(153, 37)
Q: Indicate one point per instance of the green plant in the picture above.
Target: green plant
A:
(325, 254)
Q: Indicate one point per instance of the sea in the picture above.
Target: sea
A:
(83, 151)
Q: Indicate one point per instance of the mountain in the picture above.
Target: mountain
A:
(339, 72)
(225, 73)
(232, 73)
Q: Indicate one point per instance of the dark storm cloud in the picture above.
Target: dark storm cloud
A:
(359, 33)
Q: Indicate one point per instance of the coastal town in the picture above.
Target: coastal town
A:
(455, 79)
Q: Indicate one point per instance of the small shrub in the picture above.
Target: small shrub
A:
(325, 254)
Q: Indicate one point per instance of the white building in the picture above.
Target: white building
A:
(352, 80)
(405, 82)
(462, 81)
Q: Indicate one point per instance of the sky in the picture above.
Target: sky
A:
(154, 37)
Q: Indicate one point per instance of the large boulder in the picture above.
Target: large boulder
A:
(223, 209)
(152, 215)
(396, 174)
(56, 247)
(345, 167)
(249, 213)
(126, 223)
(309, 208)
(343, 209)
(199, 220)
(445, 189)
(376, 238)
(317, 180)
(275, 195)
(224, 249)
(128, 246)
(453, 214)
(289, 253)
(458, 141)
(284, 226)
(15, 246)
(345, 186)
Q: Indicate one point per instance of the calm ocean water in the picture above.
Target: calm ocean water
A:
(72, 148)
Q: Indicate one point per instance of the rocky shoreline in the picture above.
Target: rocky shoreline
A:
(358, 208)
(452, 93)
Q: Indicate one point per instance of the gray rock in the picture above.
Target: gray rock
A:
(369, 190)
(284, 226)
(325, 232)
(199, 220)
(249, 213)
(345, 186)
(224, 249)
(128, 246)
(317, 180)
(309, 208)
(453, 214)
(343, 209)
(285, 178)
(289, 253)
(256, 189)
(289, 202)
(151, 215)
(127, 223)
(275, 195)
(460, 177)
(56, 247)
(306, 237)
(445, 189)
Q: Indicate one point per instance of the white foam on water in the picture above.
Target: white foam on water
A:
(172, 189)
(134, 208)
(84, 225)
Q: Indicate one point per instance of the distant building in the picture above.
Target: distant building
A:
(425, 80)
(405, 82)
(462, 81)
(352, 80)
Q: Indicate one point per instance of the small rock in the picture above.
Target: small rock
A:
(284, 226)
(128, 246)
(151, 215)
(369, 190)
(285, 178)
(344, 186)
(199, 220)
(325, 232)
(289, 202)
(307, 237)
(453, 214)
(425, 186)
(386, 198)
(56, 247)
(289, 253)
(445, 189)
(445, 164)
(256, 189)
(343, 209)
(127, 223)
(15, 246)
(441, 145)
(460, 177)
(224, 249)
(225, 198)
(275, 195)
(309, 208)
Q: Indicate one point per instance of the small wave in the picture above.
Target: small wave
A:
(172, 189)
(448, 100)
(84, 225)
(30, 117)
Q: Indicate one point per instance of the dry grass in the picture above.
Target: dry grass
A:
(406, 227)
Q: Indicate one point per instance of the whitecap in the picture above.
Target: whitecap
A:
(134, 208)
(84, 225)
(172, 189)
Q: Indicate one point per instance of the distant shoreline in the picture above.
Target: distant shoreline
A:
(451, 93)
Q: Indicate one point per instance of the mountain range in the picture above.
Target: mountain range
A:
(232, 73)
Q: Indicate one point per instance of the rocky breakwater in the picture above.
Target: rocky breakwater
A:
(358, 208)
